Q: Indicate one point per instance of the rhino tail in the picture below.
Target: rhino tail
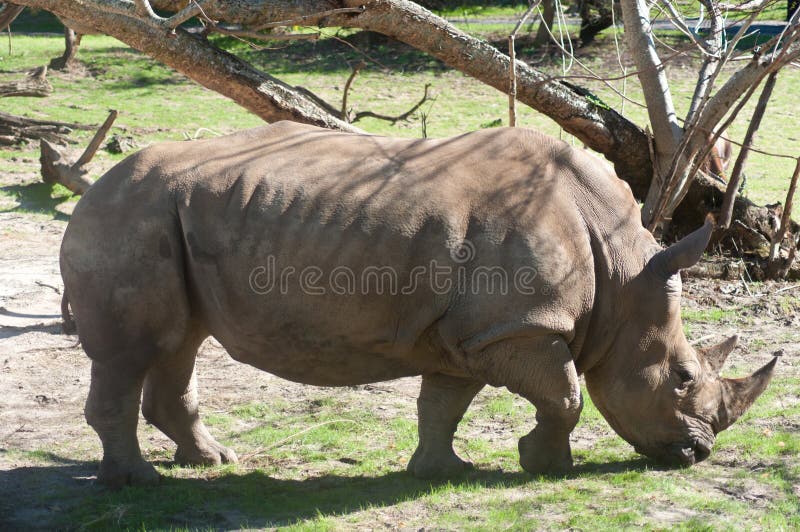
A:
(68, 325)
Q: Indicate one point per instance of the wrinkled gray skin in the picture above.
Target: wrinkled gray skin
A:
(173, 245)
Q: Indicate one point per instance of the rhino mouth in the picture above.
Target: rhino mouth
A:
(682, 454)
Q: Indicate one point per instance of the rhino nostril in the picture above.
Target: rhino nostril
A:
(701, 451)
(687, 455)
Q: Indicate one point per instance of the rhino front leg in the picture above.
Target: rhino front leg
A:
(541, 370)
(441, 405)
(170, 403)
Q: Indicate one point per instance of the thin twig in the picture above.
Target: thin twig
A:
(398, 118)
(348, 83)
(512, 65)
(786, 217)
(676, 19)
(306, 19)
(787, 288)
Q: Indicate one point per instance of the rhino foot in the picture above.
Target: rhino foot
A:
(116, 475)
(541, 453)
(430, 465)
(211, 453)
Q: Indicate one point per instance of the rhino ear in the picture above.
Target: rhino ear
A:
(684, 253)
(716, 355)
(739, 394)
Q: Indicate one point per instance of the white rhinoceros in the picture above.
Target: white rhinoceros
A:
(502, 256)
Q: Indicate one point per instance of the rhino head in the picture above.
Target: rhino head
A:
(659, 393)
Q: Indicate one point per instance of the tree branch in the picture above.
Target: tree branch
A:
(199, 60)
(599, 127)
(738, 168)
(667, 132)
(398, 118)
(9, 12)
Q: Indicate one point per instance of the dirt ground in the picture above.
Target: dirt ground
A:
(44, 375)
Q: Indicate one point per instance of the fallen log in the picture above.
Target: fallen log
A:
(56, 165)
(35, 84)
(17, 129)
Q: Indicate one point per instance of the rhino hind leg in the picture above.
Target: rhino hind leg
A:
(112, 409)
(170, 403)
(441, 404)
(542, 371)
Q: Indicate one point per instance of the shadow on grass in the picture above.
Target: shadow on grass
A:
(64, 494)
(39, 198)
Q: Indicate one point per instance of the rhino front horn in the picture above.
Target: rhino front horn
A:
(739, 394)
(683, 253)
(716, 355)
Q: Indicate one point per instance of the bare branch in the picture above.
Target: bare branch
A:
(753, 5)
(736, 176)
(9, 12)
(145, 10)
(786, 219)
(512, 65)
(660, 108)
(677, 20)
(192, 10)
(398, 118)
(353, 74)
(97, 140)
(711, 61)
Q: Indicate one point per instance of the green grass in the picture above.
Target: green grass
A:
(327, 464)
(711, 315)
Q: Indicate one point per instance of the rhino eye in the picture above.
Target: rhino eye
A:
(685, 376)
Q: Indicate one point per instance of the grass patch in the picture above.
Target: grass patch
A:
(711, 315)
(304, 468)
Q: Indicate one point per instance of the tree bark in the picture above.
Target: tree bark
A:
(199, 60)
(9, 12)
(548, 14)
(667, 131)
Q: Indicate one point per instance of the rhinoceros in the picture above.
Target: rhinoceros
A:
(500, 257)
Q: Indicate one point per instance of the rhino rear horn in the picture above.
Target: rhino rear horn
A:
(739, 394)
(683, 253)
(716, 355)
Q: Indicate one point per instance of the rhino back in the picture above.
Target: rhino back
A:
(312, 254)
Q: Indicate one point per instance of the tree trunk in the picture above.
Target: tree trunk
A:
(548, 14)
(65, 62)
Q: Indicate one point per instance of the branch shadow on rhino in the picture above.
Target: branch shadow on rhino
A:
(64, 494)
